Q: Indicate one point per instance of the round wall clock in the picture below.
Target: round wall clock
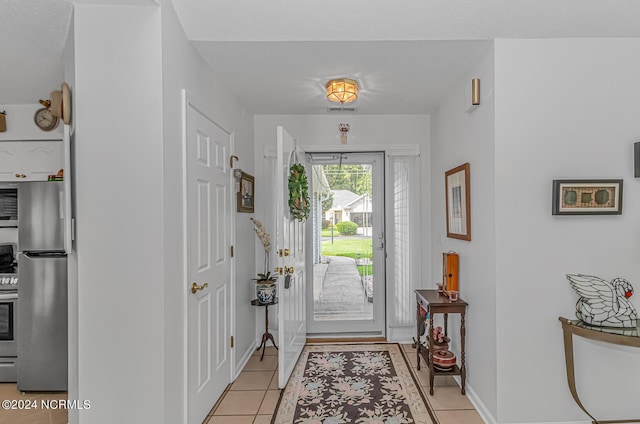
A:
(45, 120)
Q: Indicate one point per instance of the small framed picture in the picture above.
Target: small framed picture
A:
(458, 200)
(245, 197)
(587, 197)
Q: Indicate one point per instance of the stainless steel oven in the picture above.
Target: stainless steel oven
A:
(8, 328)
(8, 205)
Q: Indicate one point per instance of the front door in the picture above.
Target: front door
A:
(208, 213)
(292, 324)
(347, 296)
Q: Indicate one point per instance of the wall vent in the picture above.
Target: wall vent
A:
(342, 109)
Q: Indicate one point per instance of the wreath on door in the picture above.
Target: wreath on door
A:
(298, 192)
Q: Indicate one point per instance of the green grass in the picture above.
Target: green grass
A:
(365, 269)
(326, 232)
(349, 248)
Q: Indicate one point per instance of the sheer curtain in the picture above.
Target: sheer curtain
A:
(403, 238)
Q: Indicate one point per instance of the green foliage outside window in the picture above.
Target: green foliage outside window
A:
(347, 228)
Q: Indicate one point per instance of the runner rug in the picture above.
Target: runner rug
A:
(335, 384)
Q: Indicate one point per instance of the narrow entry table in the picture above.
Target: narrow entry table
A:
(437, 303)
(266, 336)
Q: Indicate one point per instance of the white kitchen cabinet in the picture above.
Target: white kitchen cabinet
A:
(30, 160)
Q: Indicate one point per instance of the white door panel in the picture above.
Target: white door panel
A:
(208, 212)
(290, 237)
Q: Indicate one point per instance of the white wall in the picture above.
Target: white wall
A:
(21, 126)
(184, 68)
(119, 212)
(72, 257)
(377, 131)
(456, 138)
(564, 109)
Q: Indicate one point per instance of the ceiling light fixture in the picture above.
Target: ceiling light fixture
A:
(342, 90)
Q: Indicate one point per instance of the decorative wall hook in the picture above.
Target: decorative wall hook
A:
(344, 129)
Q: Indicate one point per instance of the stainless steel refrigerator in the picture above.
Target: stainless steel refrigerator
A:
(42, 288)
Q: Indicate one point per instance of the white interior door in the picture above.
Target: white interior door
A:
(208, 262)
(292, 324)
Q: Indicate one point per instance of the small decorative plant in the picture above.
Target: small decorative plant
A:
(439, 336)
(265, 239)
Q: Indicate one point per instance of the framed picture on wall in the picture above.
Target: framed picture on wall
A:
(458, 201)
(245, 197)
(587, 197)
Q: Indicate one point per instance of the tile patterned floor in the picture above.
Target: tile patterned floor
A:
(9, 391)
(252, 398)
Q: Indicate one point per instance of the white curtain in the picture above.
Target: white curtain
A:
(403, 238)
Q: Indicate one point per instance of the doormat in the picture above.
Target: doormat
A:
(334, 384)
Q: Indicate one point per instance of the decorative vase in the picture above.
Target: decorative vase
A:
(444, 360)
(266, 291)
(440, 346)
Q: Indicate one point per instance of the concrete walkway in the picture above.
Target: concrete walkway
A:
(342, 295)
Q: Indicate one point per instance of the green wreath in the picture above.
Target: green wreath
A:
(298, 192)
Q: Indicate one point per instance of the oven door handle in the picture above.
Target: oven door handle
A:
(8, 296)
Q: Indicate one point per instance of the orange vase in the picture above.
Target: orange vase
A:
(450, 271)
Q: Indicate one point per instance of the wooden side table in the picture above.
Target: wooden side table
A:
(437, 303)
(266, 336)
(619, 336)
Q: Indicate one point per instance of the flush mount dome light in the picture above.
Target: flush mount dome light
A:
(342, 90)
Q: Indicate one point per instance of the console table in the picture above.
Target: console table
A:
(434, 302)
(619, 336)
(266, 336)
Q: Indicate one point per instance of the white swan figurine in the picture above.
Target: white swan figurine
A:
(603, 303)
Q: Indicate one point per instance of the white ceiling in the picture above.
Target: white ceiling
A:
(32, 37)
(277, 56)
(396, 77)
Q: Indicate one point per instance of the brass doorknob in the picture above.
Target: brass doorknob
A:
(286, 252)
(195, 287)
(288, 270)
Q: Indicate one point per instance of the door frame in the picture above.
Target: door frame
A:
(187, 100)
(388, 150)
(379, 311)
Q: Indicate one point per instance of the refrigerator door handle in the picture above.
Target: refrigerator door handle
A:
(61, 204)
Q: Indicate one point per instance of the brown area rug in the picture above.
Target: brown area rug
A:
(335, 384)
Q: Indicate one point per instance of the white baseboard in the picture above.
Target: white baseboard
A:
(243, 360)
(480, 407)
(489, 419)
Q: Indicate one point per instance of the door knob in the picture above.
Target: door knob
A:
(284, 252)
(195, 287)
(288, 270)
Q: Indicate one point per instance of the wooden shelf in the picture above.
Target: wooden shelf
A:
(433, 303)
(424, 352)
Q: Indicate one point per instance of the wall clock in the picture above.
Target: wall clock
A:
(45, 120)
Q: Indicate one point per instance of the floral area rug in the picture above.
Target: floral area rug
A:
(335, 384)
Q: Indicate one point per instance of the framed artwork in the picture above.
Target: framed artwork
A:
(245, 197)
(458, 202)
(587, 197)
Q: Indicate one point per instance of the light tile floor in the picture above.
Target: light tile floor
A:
(36, 414)
(253, 397)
